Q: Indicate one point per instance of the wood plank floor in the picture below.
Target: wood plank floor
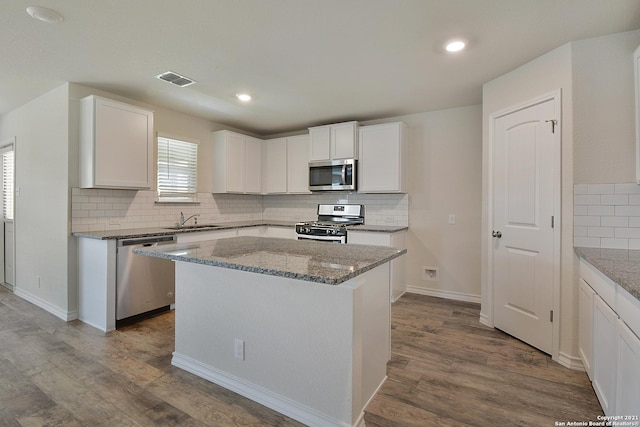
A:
(446, 369)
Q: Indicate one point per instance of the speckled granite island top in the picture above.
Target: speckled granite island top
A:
(620, 265)
(312, 261)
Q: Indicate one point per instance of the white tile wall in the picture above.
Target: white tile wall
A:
(607, 216)
(101, 210)
(382, 209)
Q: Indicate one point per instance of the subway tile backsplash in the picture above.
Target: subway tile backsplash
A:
(101, 209)
(606, 216)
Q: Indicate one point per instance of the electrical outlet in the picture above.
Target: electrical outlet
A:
(238, 349)
(430, 273)
(452, 219)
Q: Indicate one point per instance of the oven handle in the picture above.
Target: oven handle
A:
(323, 238)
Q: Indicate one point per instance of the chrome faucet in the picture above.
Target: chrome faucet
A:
(183, 221)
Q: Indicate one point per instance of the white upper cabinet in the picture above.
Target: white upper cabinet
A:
(116, 145)
(636, 78)
(298, 164)
(274, 166)
(252, 165)
(331, 142)
(236, 163)
(285, 165)
(383, 158)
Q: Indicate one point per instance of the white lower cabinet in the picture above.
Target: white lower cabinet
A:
(281, 232)
(628, 375)
(604, 354)
(585, 332)
(199, 236)
(608, 342)
(395, 240)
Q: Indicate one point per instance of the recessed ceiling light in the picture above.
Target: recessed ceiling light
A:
(45, 15)
(244, 97)
(455, 45)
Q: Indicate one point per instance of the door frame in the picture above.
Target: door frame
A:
(556, 97)
(12, 287)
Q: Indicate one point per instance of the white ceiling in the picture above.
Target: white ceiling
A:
(306, 62)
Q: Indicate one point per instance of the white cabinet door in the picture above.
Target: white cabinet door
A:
(275, 166)
(281, 232)
(234, 148)
(605, 355)
(336, 141)
(298, 164)
(398, 265)
(116, 145)
(636, 69)
(628, 377)
(236, 163)
(253, 165)
(585, 325)
(344, 137)
(382, 164)
(320, 143)
(200, 236)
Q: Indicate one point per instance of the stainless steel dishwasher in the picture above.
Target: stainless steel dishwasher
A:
(144, 285)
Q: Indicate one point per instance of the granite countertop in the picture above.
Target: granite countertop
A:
(319, 262)
(620, 265)
(165, 231)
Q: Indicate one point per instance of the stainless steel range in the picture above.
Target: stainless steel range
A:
(332, 223)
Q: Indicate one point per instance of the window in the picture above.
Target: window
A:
(7, 163)
(177, 170)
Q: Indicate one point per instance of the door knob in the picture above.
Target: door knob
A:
(497, 234)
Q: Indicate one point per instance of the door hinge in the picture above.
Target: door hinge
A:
(551, 316)
(554, 123)
(553, 221)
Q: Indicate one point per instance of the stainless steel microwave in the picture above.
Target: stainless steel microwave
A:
(332, 175)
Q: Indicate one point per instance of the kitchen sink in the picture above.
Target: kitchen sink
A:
(193, 227)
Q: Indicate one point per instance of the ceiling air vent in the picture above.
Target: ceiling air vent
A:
(175, 79)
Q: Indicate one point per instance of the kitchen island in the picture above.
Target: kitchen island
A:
(300, 327)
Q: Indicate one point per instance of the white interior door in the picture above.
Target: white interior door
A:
(524, 161)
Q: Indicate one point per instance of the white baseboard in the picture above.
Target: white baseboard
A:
(278, 403)
(46, 305)
(571, 362)
(458, 296)
(484, 319)
(398, 297)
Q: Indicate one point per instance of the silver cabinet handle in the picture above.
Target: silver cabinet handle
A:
(497, 234)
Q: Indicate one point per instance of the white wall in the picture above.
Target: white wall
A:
(603, 108)
(42, 205)
(444, 177)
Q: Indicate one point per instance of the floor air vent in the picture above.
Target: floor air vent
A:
(175, 79)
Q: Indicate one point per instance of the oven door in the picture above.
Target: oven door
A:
(331, 239)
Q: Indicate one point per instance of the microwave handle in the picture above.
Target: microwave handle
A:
(344, 174)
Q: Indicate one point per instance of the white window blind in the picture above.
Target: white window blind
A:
(7, 181)
(177, 170)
